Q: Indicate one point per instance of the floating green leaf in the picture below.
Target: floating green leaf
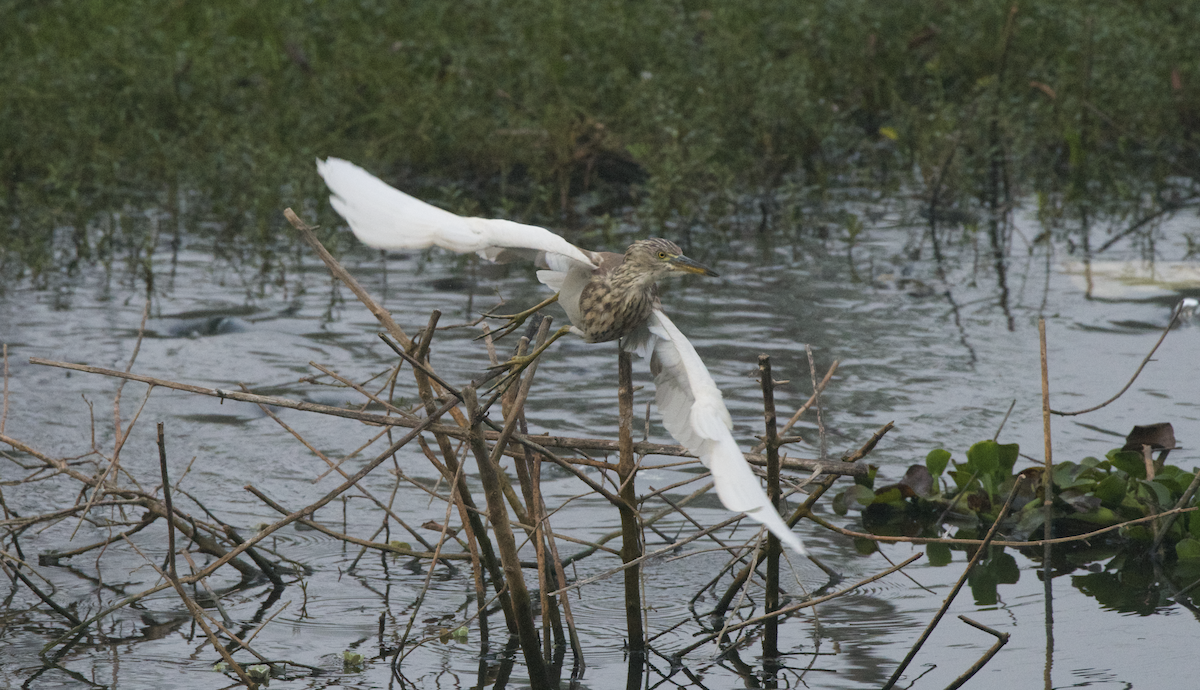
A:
(936, 461)
(1156, 492)
(1111, 490)
(984, 457)
(860, 494)
(1188, 549)
(890, 494)
(1129, 462)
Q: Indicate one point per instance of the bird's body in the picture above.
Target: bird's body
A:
(606, 296)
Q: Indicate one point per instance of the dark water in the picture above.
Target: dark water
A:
(935, 352)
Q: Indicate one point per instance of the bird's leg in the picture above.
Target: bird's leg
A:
(520, 363)
(516, 320)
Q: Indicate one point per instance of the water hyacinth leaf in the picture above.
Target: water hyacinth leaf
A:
(1068, 475)
(865, 547)
(861, 495)
(1100, 516)
(1194, 524)
(1111, 490)
(936, 461)
(888, 494)
(1030, 518)
(984, 457)
(1188, 549)
(938, 554)
(1138, 533)
(1131, 505)
(1162, 495)
(989, 484)
(1007, 454)
(962, 477)
(1129, 462)
(868, 480)
(1170, 480)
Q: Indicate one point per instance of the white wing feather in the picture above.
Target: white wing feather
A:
(383, 217)
(694, 412)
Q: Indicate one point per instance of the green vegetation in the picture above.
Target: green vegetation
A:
(1142, 560)
(679, 110)
(1087, 495)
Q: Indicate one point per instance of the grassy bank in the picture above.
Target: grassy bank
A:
(674, 108)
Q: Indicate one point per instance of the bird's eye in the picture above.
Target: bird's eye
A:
(662, 255)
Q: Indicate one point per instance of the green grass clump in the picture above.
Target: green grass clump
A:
(219, 108)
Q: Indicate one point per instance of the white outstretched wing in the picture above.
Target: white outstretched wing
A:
(694, 413)
(384, 217)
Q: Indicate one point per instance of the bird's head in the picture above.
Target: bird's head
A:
(658, 257)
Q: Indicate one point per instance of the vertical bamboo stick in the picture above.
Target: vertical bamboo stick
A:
(771, 439)
(1048, 505)
(506, 543)
(631, 543)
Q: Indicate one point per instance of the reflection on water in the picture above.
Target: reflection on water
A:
(924, 343)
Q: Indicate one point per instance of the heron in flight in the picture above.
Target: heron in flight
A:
(606, 296)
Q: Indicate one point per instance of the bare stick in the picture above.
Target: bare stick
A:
(416, 605)
(40, 594)
(519, 611)
(809, 403)
(528, 470)
(537, 443)
(1001, 640)
(771, 441)
(54, 557)
(173, 574)
(265, 532)
(957, 586)
(820, 487)
(631, 533)
(812, 372)
(792, 608)
(388, 548)
(1170, 324)
(381, 314)
(1047, 486)
(468, 513)
(366, 393)
(337, 467)
(1004, 421)
(4, 412)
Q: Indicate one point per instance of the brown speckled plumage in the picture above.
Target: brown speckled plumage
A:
(623, 292)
